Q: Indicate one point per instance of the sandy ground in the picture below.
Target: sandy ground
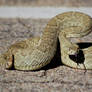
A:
(55, 77)
(56, 3)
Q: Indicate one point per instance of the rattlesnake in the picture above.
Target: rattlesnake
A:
(34, 53)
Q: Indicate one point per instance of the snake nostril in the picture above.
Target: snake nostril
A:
(78, 57)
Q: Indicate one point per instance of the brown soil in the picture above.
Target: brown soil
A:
(55, 77)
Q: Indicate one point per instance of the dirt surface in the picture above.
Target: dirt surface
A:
(55, 77)
(74, 3)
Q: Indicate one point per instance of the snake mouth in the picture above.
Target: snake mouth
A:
(79, 57)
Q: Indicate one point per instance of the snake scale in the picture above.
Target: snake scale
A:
(34, 53)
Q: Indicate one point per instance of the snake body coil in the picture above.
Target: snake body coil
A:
(35, 53)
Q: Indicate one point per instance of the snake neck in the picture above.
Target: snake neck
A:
(49, 37)
(67, 46)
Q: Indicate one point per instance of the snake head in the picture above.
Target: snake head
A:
(73, 50)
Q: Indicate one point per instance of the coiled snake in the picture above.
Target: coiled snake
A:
(34, 53)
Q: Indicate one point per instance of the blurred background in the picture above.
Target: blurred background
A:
(42, 8)
(55, 3)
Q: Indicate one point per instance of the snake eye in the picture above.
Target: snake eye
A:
(71, 51)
